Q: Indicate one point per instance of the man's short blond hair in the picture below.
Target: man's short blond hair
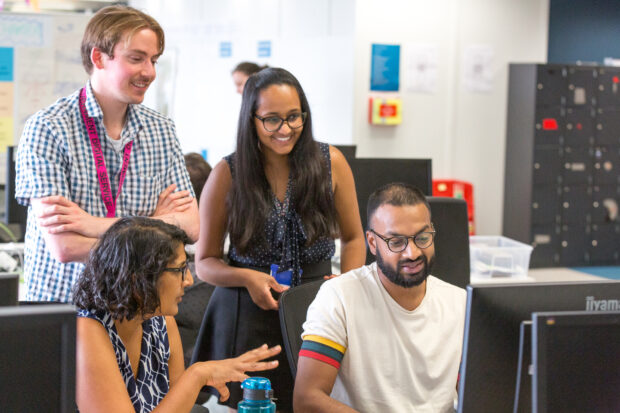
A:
(107, 27)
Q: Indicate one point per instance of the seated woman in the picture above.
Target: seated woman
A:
(129, 355)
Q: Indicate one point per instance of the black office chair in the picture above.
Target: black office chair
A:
(449, 216)
(293, 309)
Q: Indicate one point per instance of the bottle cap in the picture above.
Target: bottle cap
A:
(257, 388)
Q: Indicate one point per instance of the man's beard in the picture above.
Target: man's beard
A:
(407, 281)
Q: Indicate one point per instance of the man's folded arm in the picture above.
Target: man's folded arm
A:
(60, 220)
(187, 220)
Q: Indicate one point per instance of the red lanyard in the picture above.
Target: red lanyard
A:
(102, 172)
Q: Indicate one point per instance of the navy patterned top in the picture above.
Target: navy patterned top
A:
(153, 382)
(285, 235)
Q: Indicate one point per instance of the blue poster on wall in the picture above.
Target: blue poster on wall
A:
(385, 65)
(6, 64)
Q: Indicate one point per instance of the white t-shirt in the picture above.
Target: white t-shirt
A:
(394, 360)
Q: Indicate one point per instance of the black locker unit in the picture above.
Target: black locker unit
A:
(562, 178)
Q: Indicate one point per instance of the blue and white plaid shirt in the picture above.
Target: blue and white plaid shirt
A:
(55, 158)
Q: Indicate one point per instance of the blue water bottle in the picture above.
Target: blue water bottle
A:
(257, 395)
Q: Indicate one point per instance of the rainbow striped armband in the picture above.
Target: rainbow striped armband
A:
(322, 349)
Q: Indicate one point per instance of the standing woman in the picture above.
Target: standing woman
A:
(283, 198)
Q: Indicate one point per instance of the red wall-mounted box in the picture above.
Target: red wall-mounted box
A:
(453, 188)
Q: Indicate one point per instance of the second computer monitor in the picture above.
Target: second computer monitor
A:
(491, 340)
(576, 361)
(371, 173)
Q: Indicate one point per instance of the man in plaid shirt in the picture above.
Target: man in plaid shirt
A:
(98, 154)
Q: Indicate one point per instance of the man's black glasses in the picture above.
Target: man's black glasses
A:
(400, 242)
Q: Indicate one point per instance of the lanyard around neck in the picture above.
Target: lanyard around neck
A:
(102, 171)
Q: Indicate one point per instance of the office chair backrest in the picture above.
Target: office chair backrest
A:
(449, 216)
(294, 305)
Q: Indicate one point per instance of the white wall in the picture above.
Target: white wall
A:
(313, 40)
(327, 44)
(463, 132)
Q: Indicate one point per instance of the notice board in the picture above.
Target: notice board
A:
(39, 62)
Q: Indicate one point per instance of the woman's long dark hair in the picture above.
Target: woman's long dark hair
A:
(122, 270)
(250, 201)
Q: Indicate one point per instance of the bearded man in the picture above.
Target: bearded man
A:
(385, 337)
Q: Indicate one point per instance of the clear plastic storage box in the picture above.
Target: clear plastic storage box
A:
(497, 256)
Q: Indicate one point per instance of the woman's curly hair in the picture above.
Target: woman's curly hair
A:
(122, 270)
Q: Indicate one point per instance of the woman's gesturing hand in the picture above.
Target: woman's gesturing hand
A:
(219, 372)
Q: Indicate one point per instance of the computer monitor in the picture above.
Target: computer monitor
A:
(9, 288)
(491, 338)
(576, 362)
(37, 359)
(348, 151)
(15, 214)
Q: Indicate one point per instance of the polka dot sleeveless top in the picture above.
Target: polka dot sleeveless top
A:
(285, 234)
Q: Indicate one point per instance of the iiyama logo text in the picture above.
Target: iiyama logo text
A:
(602, 305)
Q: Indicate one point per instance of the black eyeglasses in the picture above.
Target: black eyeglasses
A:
(400, 242)
(274, 123)
(182, 269)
